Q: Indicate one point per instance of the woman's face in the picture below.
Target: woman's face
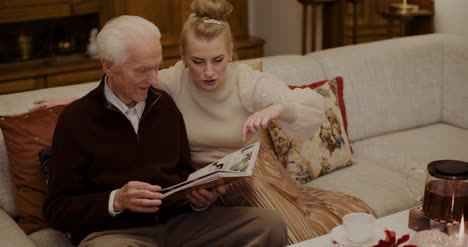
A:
(206, 60)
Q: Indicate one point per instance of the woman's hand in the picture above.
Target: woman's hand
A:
(138, 197)
(260, 119)
(46, 103)
(203, 198)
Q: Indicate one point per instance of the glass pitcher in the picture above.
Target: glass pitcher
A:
(446, 190)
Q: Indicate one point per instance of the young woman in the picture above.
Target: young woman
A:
(224, 104)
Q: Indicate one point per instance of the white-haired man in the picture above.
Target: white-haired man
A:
(115, 148)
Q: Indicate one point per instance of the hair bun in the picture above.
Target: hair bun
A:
(212, 9)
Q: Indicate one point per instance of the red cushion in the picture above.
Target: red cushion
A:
(26, 134)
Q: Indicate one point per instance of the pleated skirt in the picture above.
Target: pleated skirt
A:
(308, 212)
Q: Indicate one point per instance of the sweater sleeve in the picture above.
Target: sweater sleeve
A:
(171, 78)
(259, 90)
(72, 205)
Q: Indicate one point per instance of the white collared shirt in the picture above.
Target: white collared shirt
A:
(133, 115)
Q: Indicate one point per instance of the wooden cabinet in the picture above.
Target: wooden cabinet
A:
(372, 24)
(170, 15)
(31, 10)
(18, 77)
(411, 23)
(74, 77)
(22, 85)
(39, 72)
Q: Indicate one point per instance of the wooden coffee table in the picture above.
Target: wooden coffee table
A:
(397, 222)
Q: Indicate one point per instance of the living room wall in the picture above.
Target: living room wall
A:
(451, 16)
(279, 22)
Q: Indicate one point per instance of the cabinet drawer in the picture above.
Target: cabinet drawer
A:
(250, 52)
(21, 85)
(74, 78)
(38, 12)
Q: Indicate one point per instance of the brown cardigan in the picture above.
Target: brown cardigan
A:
(95, 150)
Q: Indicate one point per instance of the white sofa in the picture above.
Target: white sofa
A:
(406, 101)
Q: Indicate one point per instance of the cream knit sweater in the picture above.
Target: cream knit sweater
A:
(214, 119)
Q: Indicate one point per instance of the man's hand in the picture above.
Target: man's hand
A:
(260, 120)
(204, 198)
(138, 197)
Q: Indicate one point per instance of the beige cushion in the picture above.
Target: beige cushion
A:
(377, 186)
(455, 87)
(383, 162)
(50, 238)
(11, 234)
(20, 102)
(390, 85)
(295, 70)
(414, 148)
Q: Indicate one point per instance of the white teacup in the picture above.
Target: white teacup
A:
(358, 227)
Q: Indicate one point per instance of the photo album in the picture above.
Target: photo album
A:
(234, 166)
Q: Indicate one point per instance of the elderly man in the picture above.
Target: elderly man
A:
(115, 148)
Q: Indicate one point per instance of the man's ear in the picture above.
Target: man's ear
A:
(107, 66)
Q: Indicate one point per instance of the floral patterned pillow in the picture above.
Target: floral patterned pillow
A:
(329, 147)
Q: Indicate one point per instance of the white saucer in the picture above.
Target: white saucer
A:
(339, 236)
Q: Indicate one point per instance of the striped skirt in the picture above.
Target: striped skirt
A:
(308, 212)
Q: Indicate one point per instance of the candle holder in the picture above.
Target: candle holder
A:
(404, 7)
(433, 238)
(457, 240)
(417, 221)
(457, 235)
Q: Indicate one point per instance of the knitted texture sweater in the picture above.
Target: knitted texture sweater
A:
(95, 150)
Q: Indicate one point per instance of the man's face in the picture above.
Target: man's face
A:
(207, 60)
(131, 80)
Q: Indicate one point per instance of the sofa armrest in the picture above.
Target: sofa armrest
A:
(11, 234)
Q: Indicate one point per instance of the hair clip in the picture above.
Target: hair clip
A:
(212, 21)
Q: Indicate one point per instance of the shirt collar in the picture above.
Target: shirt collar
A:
(114, 100)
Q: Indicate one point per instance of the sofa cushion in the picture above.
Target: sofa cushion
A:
(294, 70)
(11, 234)
(7, 203)
(17, 103)
(414, 148)
(50, 238)
(396, 84)
(382, 164)
(383, 189)
(25, 135)
(328, 149)
(455, 81)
